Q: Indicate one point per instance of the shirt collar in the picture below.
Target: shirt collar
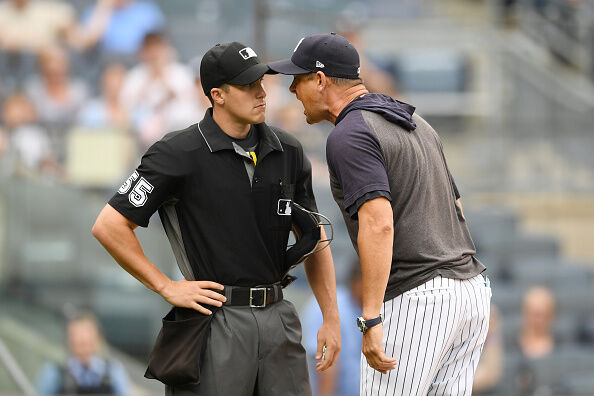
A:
(217, 140)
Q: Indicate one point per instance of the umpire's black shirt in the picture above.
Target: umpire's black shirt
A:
(222, 226)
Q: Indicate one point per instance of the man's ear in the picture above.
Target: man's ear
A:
(217, 96)
(321, 80)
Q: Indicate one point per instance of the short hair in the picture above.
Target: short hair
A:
(345, 82)
(339, 81)
(84, 316)
(155, 37)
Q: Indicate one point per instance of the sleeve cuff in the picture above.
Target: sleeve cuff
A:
(354, 208)
(142, 222)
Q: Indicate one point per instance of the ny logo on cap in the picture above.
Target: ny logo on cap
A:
(247, 53)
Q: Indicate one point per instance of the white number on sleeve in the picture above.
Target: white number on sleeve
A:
(128, 183)
(139, 194)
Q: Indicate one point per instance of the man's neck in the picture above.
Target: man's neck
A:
(344, 98)
(230, 125)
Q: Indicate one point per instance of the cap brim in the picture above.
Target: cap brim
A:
(250, 75)
(287, 67)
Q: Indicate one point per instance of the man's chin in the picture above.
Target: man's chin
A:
(258, 119)
(311, 120)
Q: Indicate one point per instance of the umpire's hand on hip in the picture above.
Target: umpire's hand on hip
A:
(329, 337)
(373, 350)
(190, 294)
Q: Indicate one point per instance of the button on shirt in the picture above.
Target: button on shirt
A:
(221, 226)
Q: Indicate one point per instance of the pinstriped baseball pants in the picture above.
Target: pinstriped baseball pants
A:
(436, 333)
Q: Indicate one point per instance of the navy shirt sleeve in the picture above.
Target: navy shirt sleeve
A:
(354, 208)
(154, 182)
(354, 155)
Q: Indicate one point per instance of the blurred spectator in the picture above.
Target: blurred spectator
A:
(203, 101)
(107, 111)
(312, 137)
(288, 115)
(490, 367)
(535, 339)
(86, 371)
(277, 99)
(342, 378)
(160, 93)
(56, 96)
(26, 27)
(112, 31)
(375, 78)
(31, 25)
(119, 26)
(24, 145)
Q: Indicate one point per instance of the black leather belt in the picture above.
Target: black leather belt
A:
(255, 297)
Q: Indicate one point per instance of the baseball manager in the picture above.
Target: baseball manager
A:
(425, 303)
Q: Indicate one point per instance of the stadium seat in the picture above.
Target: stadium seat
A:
(560, 276)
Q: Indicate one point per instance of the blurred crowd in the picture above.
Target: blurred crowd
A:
(109, 71)
(563, 26)
(574, 17)
(112, 69)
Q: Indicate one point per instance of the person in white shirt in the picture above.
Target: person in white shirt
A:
(159, 93)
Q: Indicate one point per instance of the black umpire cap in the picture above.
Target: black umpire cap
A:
(230, 63)
(330, 53)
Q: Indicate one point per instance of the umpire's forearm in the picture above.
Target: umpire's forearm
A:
(375, 241)
(319, 268)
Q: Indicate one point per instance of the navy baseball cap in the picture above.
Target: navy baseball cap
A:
(330, 53)
(230, 63)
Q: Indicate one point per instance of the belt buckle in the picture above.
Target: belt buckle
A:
(252, 297)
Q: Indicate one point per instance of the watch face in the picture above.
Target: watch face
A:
(361, 324)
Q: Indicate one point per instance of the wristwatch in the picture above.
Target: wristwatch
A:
(365, 325)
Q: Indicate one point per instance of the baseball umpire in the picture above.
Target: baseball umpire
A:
(225, 189)
(425, 303)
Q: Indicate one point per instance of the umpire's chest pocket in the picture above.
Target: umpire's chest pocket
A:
(282, 205)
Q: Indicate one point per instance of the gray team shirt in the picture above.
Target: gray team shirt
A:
(379, 147)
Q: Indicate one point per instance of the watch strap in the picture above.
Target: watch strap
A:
(367, 324)
(373, 322)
